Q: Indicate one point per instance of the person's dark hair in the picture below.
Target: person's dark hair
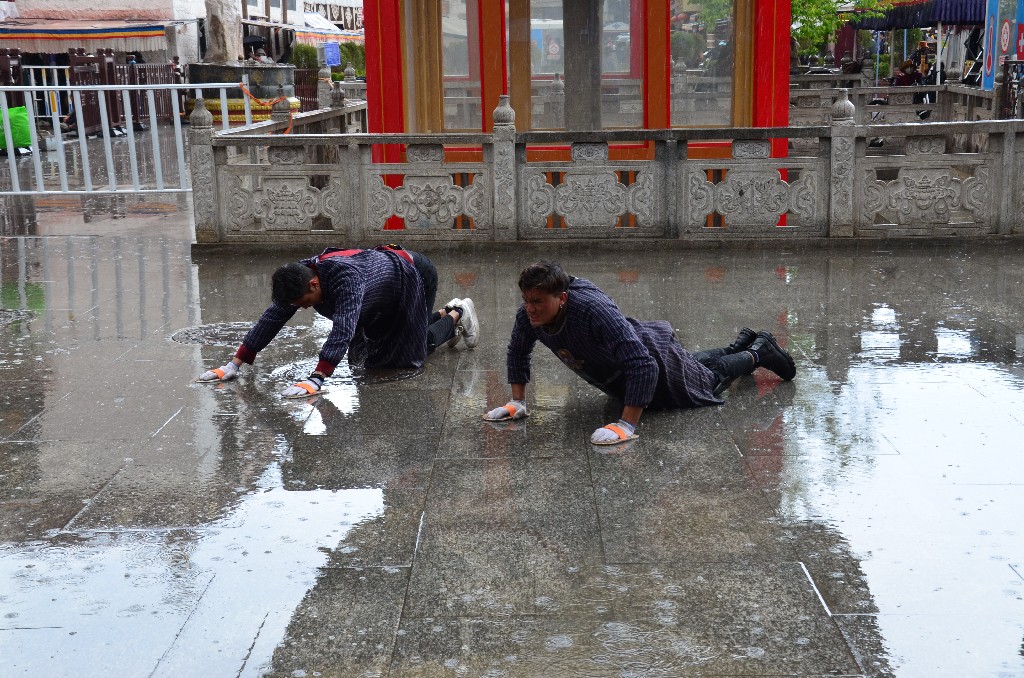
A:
(546, 276)
(291, 281)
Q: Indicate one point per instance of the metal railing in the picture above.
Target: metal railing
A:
(83, 168)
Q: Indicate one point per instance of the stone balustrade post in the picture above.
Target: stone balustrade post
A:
(323, 87)
(841, 168)
(503, 162)
(1008, 218)
(202, 164)
(281, 111)
(341, 123)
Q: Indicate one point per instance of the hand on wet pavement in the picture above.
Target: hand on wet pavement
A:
(225, 373)
(513, 409)
(612, 434)
(304, 388)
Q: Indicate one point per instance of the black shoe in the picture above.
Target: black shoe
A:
(742, 341)
(773, 357)
(723, 385)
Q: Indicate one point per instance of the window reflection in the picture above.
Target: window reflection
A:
(702, 62)
(461, 63)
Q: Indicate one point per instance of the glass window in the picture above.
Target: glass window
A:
(461, 65)
(619, 51)
(702, 62)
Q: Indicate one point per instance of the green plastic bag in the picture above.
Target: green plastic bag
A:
(20, 134)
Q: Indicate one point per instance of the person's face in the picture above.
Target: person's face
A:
(541, 307)
(312, 297)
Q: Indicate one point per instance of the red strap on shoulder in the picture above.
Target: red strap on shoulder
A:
(337, 253)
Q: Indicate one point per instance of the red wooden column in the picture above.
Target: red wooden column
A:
(385, 85)
(771, 67)
(493, 67)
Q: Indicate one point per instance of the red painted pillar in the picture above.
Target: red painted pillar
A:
(385, 86)
(771, 67)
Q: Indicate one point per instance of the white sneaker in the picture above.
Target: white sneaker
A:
(458, 329)
(470, 324)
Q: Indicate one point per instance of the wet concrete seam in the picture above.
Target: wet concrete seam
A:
(177, 636)
(167, 422)
(248, 653)
(90, 502)
(815, 587)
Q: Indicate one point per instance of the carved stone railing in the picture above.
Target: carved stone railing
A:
(332, 188)
(943, 103)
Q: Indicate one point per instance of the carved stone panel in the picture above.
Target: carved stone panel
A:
(203, 187)
(975, 194)
(336, 203)
(428, 201)
(240, 205)
(540, 200)
(590, 154)
(842, 179)
(590, 199)
(921, 196)
(701, 194)
(926, 145)
(380, 202)
(751, 148)
(640, 199)
(925, 195)
(803, 197)
(286, 155)
(425, 153)
(749, 197)
(287, 204)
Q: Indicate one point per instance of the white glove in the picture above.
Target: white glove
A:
(612, 434)
(513, 409)
(311, 386)
(226, 373)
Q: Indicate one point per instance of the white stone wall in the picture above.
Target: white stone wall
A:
(96, 9)
(182, 39)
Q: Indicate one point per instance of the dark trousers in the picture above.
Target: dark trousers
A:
(440, 328)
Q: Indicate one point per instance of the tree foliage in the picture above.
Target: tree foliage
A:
(815, 22)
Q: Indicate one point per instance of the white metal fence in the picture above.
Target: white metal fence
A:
(109, 162)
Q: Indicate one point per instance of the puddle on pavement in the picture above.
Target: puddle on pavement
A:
(227, 334)
(146, 589)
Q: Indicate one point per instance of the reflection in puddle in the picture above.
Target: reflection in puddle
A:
(226, 334)
(10, 316)
(153, 597)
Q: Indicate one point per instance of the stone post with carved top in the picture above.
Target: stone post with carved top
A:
(503, 149)
(841, 168)
(204, 174)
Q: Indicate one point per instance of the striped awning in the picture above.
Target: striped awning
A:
(311, 35)
(923, 13)
(51, 36)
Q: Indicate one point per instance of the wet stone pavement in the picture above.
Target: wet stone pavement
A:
(862, 520)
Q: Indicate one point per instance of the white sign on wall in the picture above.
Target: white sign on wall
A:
(347, 15)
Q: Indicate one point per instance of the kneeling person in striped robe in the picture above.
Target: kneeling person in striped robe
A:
(640, 363)
(379, 301)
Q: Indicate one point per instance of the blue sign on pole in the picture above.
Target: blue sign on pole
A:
(332, 54)
(988, 71)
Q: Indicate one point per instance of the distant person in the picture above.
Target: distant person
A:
(380, 302)
(640, 363)
(908, 76)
